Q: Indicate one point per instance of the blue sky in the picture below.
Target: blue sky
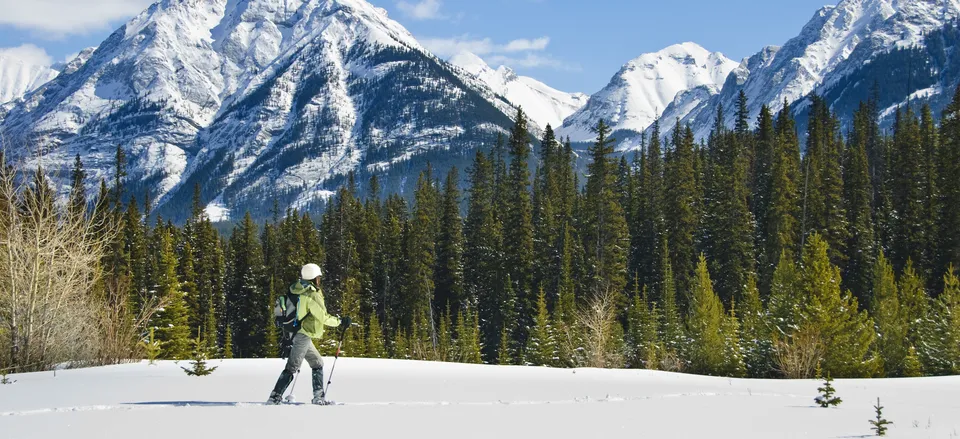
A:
(572, 45)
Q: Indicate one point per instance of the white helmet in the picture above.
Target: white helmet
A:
(310, 272)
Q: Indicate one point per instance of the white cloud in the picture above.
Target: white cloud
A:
(447, 47)
(28, 54)
(66, 17)
(524, 45)
(422, 10)
(532, 60)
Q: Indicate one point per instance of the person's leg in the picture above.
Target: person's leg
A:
(297, 354)
(316, 365)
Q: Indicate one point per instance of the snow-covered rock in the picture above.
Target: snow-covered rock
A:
(254, 100)
(542, 104)
(646, 86)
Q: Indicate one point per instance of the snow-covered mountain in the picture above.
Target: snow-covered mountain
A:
(256, 100)
(22, 70)
(645, 86)
(836, 42)
(542, 103)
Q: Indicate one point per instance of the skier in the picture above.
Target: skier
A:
(311, 317)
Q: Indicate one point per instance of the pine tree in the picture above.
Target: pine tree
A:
(468, 337)
(172, 323)
(858, 195)
(912, 368)
(518, 226)
(200, 356)
(151, 347)
(827, 397)
(503, 353)
(482, 255)
(652, 223)
(823, 209)
(541, 346)
(757, 342)
(949, 185)
(249, 310)
(78, 190)
(671, 328)
(879, 424)
(417, 312)
(889, 319)
(605, 233)
(450, 247)
(846, 333)
(681, 204)
(909, 191)
(939, 347)
(705, 325)
(374, 343)
(228, 343)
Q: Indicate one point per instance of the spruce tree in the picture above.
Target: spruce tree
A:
(482, 253)
(199, 359)
(605, 231)
(889, 319)
(705, 325)
(541, 346)
(518, 226)
(858, 196)
(822, 194)
(450, 247)
(374, 342)
(827, 397)
(682, 200)
(249, 308)
(173, 331)
(78, 190)
(879, 424)
(909, 191)
(948, 167)
(939, 347)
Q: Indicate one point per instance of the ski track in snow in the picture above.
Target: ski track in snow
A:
(210, 404)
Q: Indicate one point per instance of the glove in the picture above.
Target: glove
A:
(344, 323)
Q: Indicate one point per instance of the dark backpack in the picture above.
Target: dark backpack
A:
(285, 317)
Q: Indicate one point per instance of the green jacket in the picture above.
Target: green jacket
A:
(311, 310)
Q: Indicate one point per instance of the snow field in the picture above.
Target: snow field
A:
(398, 399)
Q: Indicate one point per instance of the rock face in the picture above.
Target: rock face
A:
(646, 86)
(255, 101)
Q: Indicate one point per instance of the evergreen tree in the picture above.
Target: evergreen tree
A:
(949, 186)
(482, 254)
(858, 194)
(450, 248)
(652, 224)
(889, 319)
(374, 342)
(681, 204)
(541, 346)
(880, 424)
(417, 312)
(173, 331)
(823, 209)
(518, 227)
(709, 344)
(200, 356)
(827, 396)
(909, 190)
(249, 309)
(606, 236)
(756, 340)
(846, 333)
(78, 190)
(939, 347)
(671, 328)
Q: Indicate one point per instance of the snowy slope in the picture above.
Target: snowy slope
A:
(22, 70)
(255, 100)
(542, 103)
(645, 86)
(401, 399)
(837, 40)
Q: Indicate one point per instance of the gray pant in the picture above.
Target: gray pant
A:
(303, 349)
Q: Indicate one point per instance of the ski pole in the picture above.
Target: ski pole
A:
(333, 368)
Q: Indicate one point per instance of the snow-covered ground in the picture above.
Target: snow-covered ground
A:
(400, 399)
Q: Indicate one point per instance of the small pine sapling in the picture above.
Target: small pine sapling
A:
(827, 397)
(200, 356)
(879, 424)
(4, 379)
(151, 347)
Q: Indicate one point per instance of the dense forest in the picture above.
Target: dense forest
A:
(737, 256)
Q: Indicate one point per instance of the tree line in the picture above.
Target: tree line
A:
(734, 256)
